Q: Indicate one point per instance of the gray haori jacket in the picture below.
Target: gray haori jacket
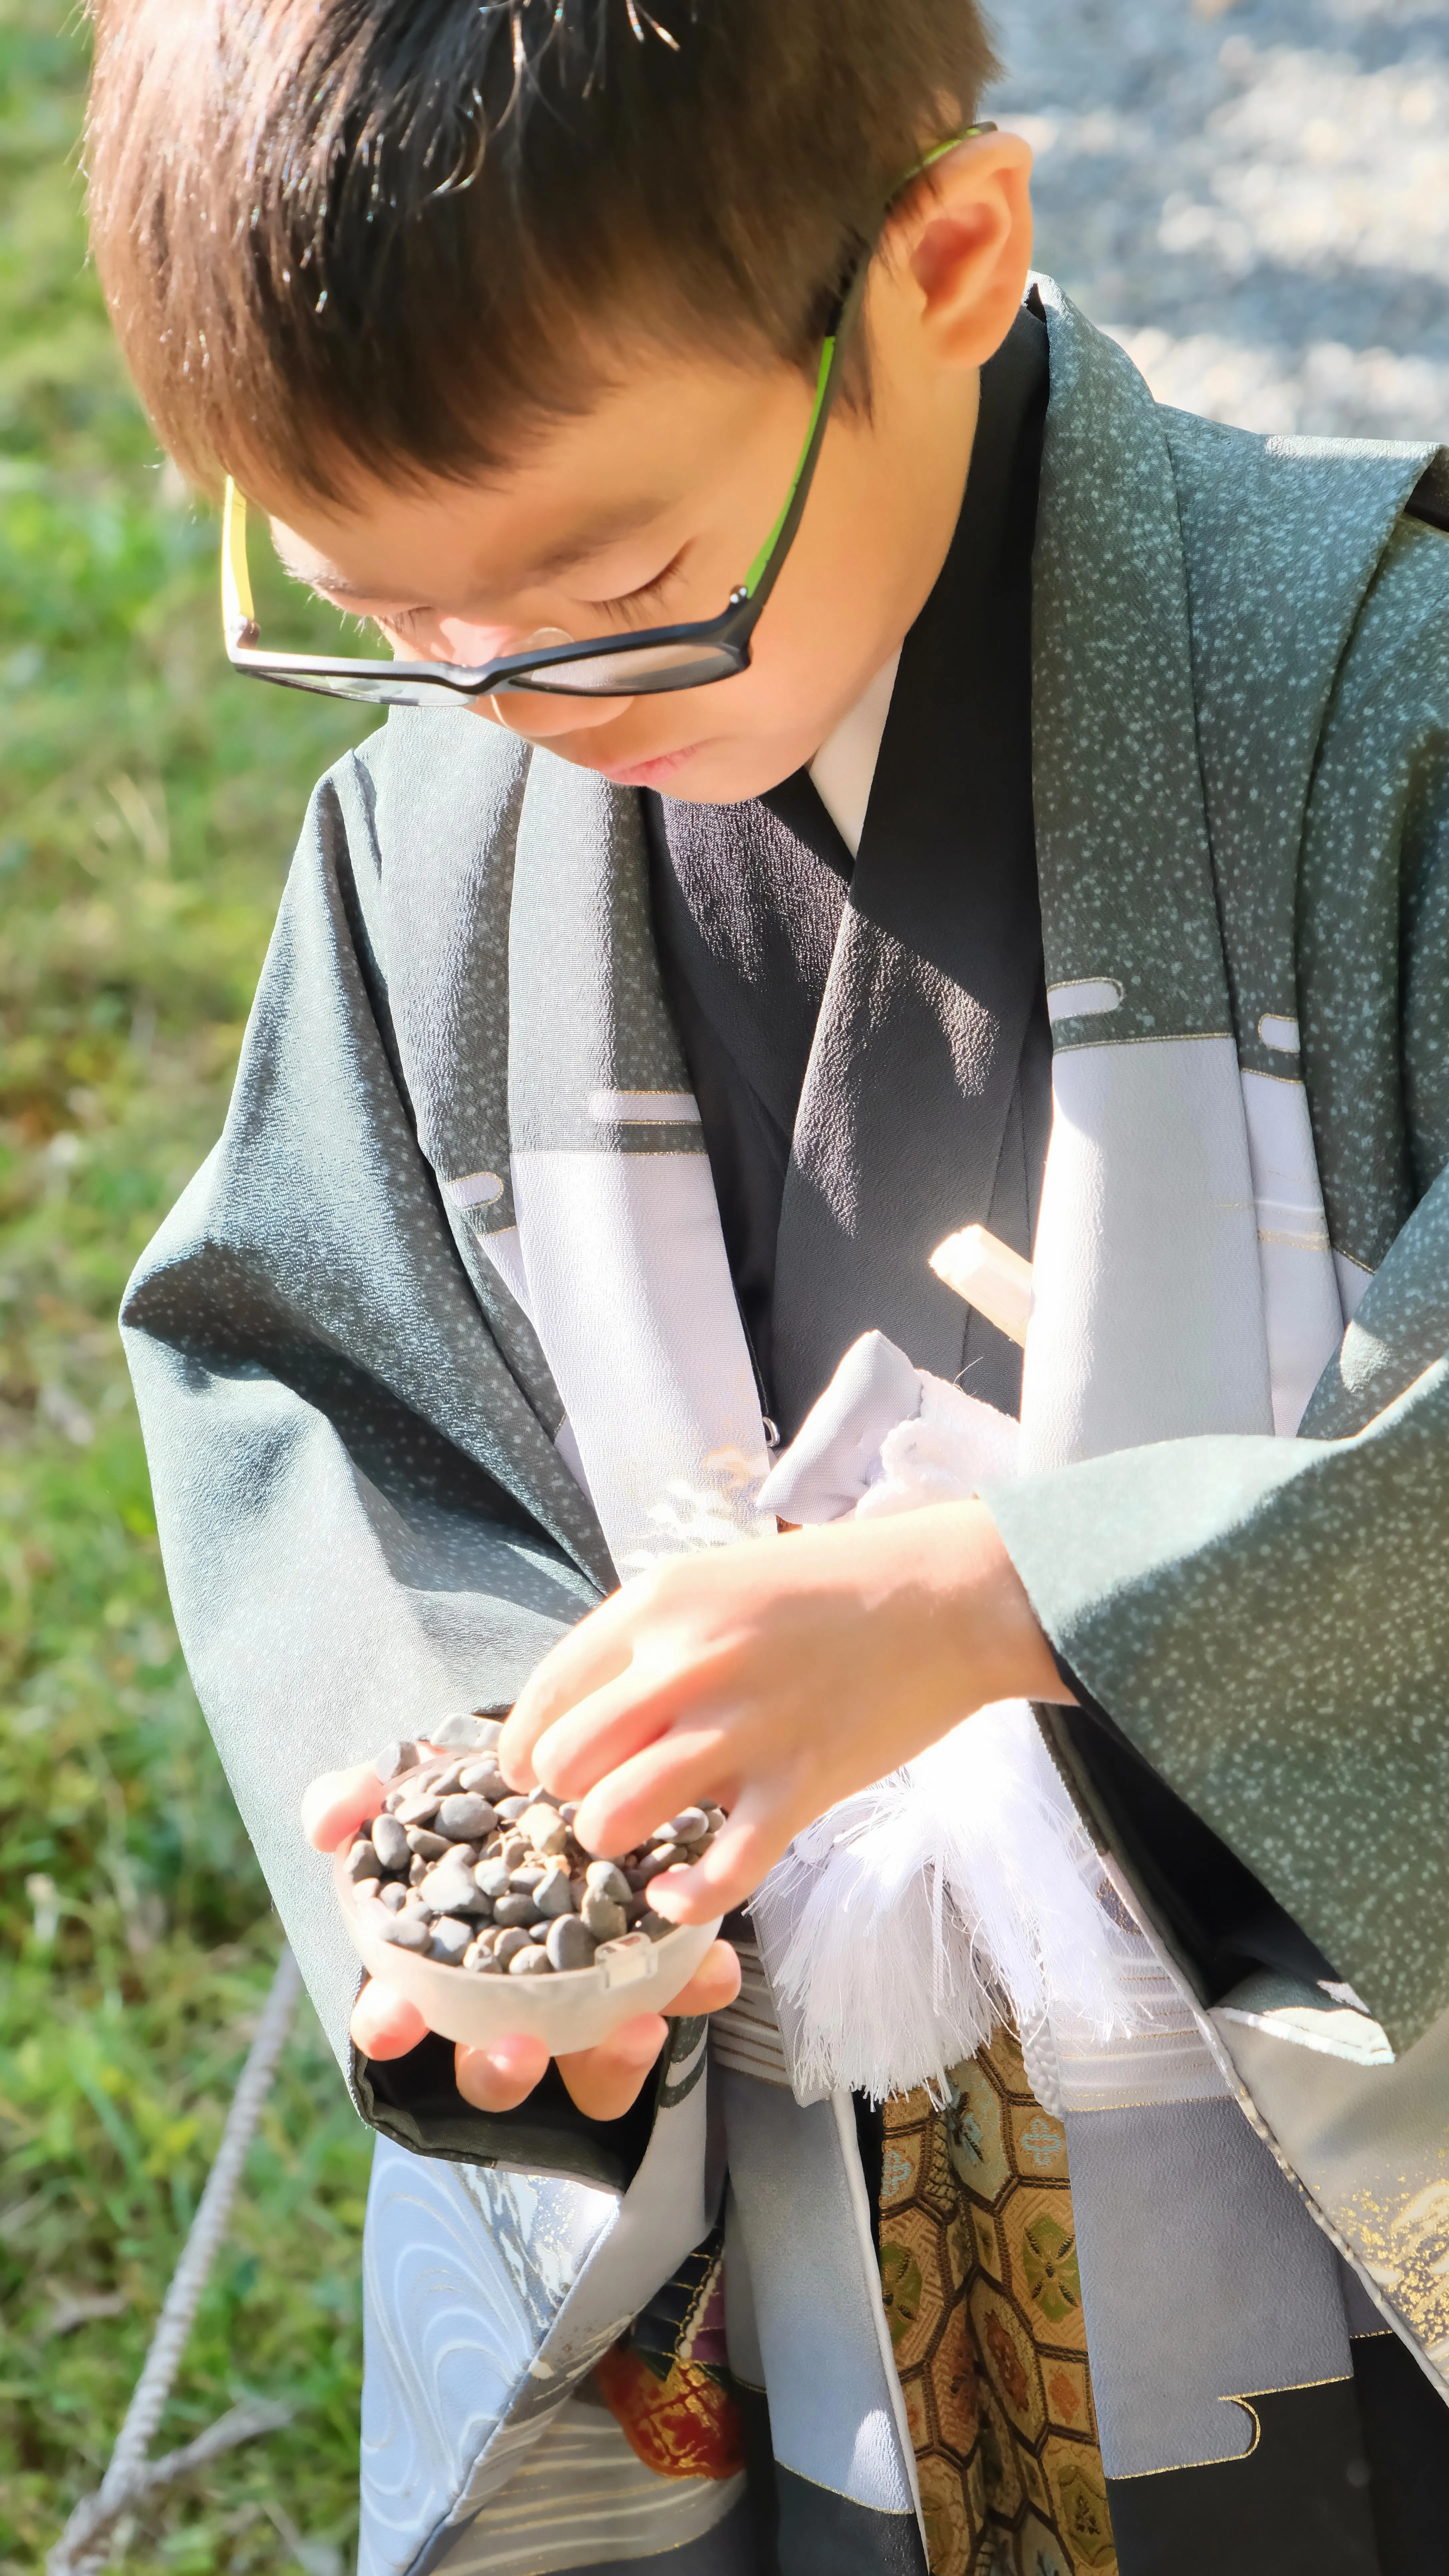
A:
(441, 1337)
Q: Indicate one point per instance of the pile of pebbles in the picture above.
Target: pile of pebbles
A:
(477, 1877)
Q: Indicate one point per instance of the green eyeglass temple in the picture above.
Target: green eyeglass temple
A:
(657, 659)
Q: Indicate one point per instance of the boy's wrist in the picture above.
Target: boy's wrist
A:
(1007, 1650)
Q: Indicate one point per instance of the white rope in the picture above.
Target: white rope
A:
(85, 2545)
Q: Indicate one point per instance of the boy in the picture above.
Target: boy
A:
(1055, 765)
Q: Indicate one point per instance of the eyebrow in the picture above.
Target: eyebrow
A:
(580, 547)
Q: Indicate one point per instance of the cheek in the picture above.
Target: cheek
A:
(542, 719)
(812, 642)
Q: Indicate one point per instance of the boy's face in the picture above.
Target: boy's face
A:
(647, 511)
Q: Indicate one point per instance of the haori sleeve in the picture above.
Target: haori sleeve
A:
(1265, 1622)
(337, 1446)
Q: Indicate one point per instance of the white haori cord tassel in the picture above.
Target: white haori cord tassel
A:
(905, 1924)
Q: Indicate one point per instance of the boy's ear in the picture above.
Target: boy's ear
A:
(962, 239)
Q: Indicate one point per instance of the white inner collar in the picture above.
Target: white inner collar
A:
(844, 766)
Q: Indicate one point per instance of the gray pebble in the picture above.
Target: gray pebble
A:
(463, 1731)
(483, 1962)
(689, 1826)
(393, 1896)
(484, 1780)
(512, 1808)
(516, 1910)
(451, 1939)
(390, 1842)
(509, 1945)
(530, 1963)
(656, 1925)
(515, 1850)
(492, 1875)
(417, 1869)
(569, 1945)
(451, 1888)
(544, 1827)
(554, 1894)
(464, 1818)
(363, 1862)
(417, 1807)
(601, 1916)
(528, 1875)
(639, 1873)
(400, 1755)
(605, 1878)
(408, 1932)
(459, 1731)
(428, 1845)
(538, 1932)
(716, 1816)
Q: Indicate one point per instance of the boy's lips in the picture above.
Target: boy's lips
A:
(647, 773)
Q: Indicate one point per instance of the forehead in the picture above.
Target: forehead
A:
(676, 437)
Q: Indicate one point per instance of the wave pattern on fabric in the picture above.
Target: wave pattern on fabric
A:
(582, 2499)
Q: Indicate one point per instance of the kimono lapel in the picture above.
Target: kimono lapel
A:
(1148, 1320)
(621, 1259)
(449, 811)
(918, 1049)
(553, 1103)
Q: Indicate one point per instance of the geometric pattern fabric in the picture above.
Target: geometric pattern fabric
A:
(979, 2276)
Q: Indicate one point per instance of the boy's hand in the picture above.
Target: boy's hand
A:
(602, 2081)
(774, 1680)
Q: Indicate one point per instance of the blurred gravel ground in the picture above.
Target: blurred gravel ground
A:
(1253, 198)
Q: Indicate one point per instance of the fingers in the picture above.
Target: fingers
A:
(607, 1730)
(619, 1807)
(336, 1802)
(500, 2076)
(715, 1982)
(742, 1853)
(603, 2081)
(384, 2023)
(590, 1656)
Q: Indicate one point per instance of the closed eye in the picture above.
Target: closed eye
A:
(402, 621)
(631, 606)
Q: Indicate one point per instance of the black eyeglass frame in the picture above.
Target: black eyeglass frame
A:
(711, 649)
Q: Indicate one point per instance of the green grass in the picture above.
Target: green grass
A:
(147, 805)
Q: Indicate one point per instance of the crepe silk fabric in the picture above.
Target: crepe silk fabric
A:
(1183, 1286)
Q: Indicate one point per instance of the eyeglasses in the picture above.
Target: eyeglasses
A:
(658, 658)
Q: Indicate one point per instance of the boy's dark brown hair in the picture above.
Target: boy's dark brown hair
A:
(400, 233)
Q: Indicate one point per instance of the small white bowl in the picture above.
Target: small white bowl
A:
(574, 2008)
